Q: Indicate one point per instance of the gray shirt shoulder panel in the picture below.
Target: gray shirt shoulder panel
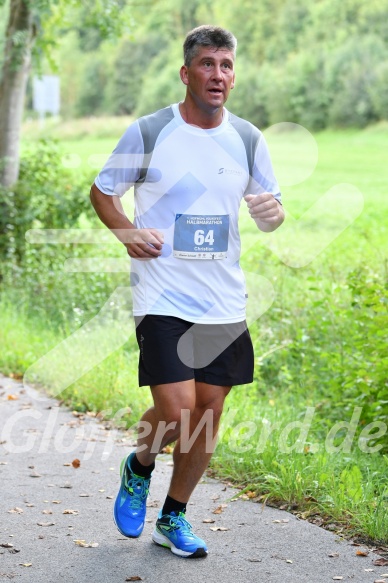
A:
(250, 136)
(150, 127)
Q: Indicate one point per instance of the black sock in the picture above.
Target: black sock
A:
(171, 505)
(138, 468)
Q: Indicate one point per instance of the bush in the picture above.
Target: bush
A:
(337, 356)
(130, 67)
(350, 72)
(248, 100)
(91, 91)
(365, 361)
(378, 91)
(295, 91)
(343, 86)
(49, 196)
(161, 83)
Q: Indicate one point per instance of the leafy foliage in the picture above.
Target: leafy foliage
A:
(318, 64)
(378, 90)
(91, 95)
(338, 354)
(130, 69)
(161, 85)
(46, 195)
(366, 360)
(93, 20)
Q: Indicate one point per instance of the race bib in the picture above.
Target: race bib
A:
(201, 236)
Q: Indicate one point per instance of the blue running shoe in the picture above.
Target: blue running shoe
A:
(130, 505)
(175, 532)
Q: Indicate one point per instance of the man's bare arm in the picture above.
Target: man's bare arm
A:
(140, 243)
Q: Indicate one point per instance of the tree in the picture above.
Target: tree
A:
(36, 22)
(19, 39)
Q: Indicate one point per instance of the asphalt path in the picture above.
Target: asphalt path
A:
(56, 519)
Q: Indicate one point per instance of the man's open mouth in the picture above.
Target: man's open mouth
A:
(216, 91)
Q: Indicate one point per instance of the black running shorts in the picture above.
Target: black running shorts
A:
(174, 350)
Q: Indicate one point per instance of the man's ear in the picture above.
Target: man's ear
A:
(184, 75)
(233, 82)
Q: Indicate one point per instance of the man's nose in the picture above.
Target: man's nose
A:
(217, 72)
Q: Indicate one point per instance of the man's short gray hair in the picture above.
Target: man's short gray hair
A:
(207, 36)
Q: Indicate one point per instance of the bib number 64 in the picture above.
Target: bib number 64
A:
(200, 238)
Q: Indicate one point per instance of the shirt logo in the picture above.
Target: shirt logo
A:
(230, 171)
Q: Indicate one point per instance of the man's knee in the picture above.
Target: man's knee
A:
(172, 415)
(210, 402)
(170, 400)
(212, 410)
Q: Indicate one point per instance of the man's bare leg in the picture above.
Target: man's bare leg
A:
(198, 399)
(169, 400)
(189, 466)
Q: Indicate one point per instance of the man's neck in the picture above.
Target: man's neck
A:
(200, 118)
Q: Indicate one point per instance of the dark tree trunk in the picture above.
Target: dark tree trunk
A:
(17, 58)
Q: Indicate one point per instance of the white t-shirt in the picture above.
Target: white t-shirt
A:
(190, 189)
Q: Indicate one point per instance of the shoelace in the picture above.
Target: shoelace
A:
(138, 488)
(181, 522)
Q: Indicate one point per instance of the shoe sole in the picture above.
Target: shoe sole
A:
(163, 541)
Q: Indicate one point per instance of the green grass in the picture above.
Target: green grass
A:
(88, 128)
(81, 139)
(109, 387)
(349, 489)
(307, 346)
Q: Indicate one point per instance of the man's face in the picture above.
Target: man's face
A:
(209, 77)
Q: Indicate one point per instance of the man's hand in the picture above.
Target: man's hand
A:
(265, 210)
(144, 243)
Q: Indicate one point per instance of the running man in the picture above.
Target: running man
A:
(191, 165)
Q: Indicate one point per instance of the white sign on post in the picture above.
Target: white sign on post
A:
(46, 95)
